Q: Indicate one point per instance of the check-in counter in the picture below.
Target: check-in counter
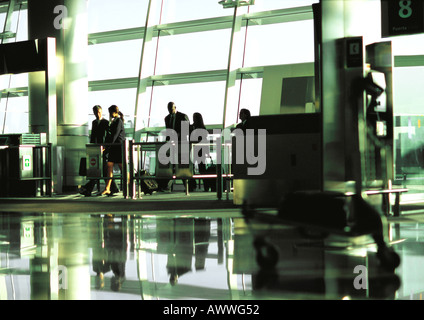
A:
(290, 160)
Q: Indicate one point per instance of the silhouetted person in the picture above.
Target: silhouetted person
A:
(116, 136)
(200, 154)
(174, 121)
(99, 129)
(244, 116)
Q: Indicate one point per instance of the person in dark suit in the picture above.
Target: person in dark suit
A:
(200, 154)
(174, 121)
(115, 135)
(99, 128)
(244, 116)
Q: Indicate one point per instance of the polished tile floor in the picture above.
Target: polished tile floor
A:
(205, 254)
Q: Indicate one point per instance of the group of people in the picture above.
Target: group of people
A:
(112, 134)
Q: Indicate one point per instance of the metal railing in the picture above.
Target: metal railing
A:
(135, 162)
(39, 168)
(139, 164)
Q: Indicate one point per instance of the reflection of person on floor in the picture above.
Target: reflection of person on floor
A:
(202, 233)
(181, 256)
(111, 256)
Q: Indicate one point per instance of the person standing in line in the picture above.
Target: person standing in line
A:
(99, 129)
(116, 136)
(198, 123)
(174, 121)
(244, 115)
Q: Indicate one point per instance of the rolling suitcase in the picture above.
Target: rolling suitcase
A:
(148, 186)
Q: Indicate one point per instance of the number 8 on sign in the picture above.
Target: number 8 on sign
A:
(405, 10)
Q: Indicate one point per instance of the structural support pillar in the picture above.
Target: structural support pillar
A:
(235, 58)
(147, 69)
(66, 21)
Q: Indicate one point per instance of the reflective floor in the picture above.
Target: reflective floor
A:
(207, 255)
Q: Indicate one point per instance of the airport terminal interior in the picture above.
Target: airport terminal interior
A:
(318, 194)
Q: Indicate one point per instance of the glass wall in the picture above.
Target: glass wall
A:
(191, 41)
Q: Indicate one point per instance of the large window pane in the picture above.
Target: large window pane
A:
(264, 5)
(114, 60)
(206, 98)
(250, 97)
(199, 51)
(408, 45)
(106, 15)
(14, 115)
(409, 128)
(283, 43)
(184, 10)
(20, 24)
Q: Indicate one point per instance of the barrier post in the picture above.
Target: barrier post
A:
(131, 170)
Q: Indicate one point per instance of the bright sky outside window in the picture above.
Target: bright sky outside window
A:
(199, 51)
(282, 43)
(185, 10)
(114, 60)
(106, 15)
(264, 5)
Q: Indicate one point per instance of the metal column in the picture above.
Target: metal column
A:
(147, 68)
(66, 21)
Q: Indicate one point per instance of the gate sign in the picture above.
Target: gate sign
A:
(26, 163)
(402, 17)
(93, 161)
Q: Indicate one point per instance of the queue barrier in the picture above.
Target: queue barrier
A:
(139, 156)
(96, 164)
(134, 162)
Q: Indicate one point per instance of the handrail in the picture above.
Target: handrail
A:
(131, 171)
(135, 174)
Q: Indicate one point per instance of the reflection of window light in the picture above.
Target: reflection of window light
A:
(381, 128)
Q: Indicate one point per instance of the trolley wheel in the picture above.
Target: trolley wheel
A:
(266, 253)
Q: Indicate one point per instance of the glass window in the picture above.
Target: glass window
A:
(409, 95)
(407, 45)
(250, 98)
(199, 51)
(14, 115)
(106, 15)
(283, 43)
(409, 129)
(206, 98)
(184, 10)
(114, 60)
(20, 24)
(265, 5)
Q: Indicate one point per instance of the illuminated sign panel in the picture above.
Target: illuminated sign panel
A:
(402, 17)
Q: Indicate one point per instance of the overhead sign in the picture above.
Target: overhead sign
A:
(402, 17)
